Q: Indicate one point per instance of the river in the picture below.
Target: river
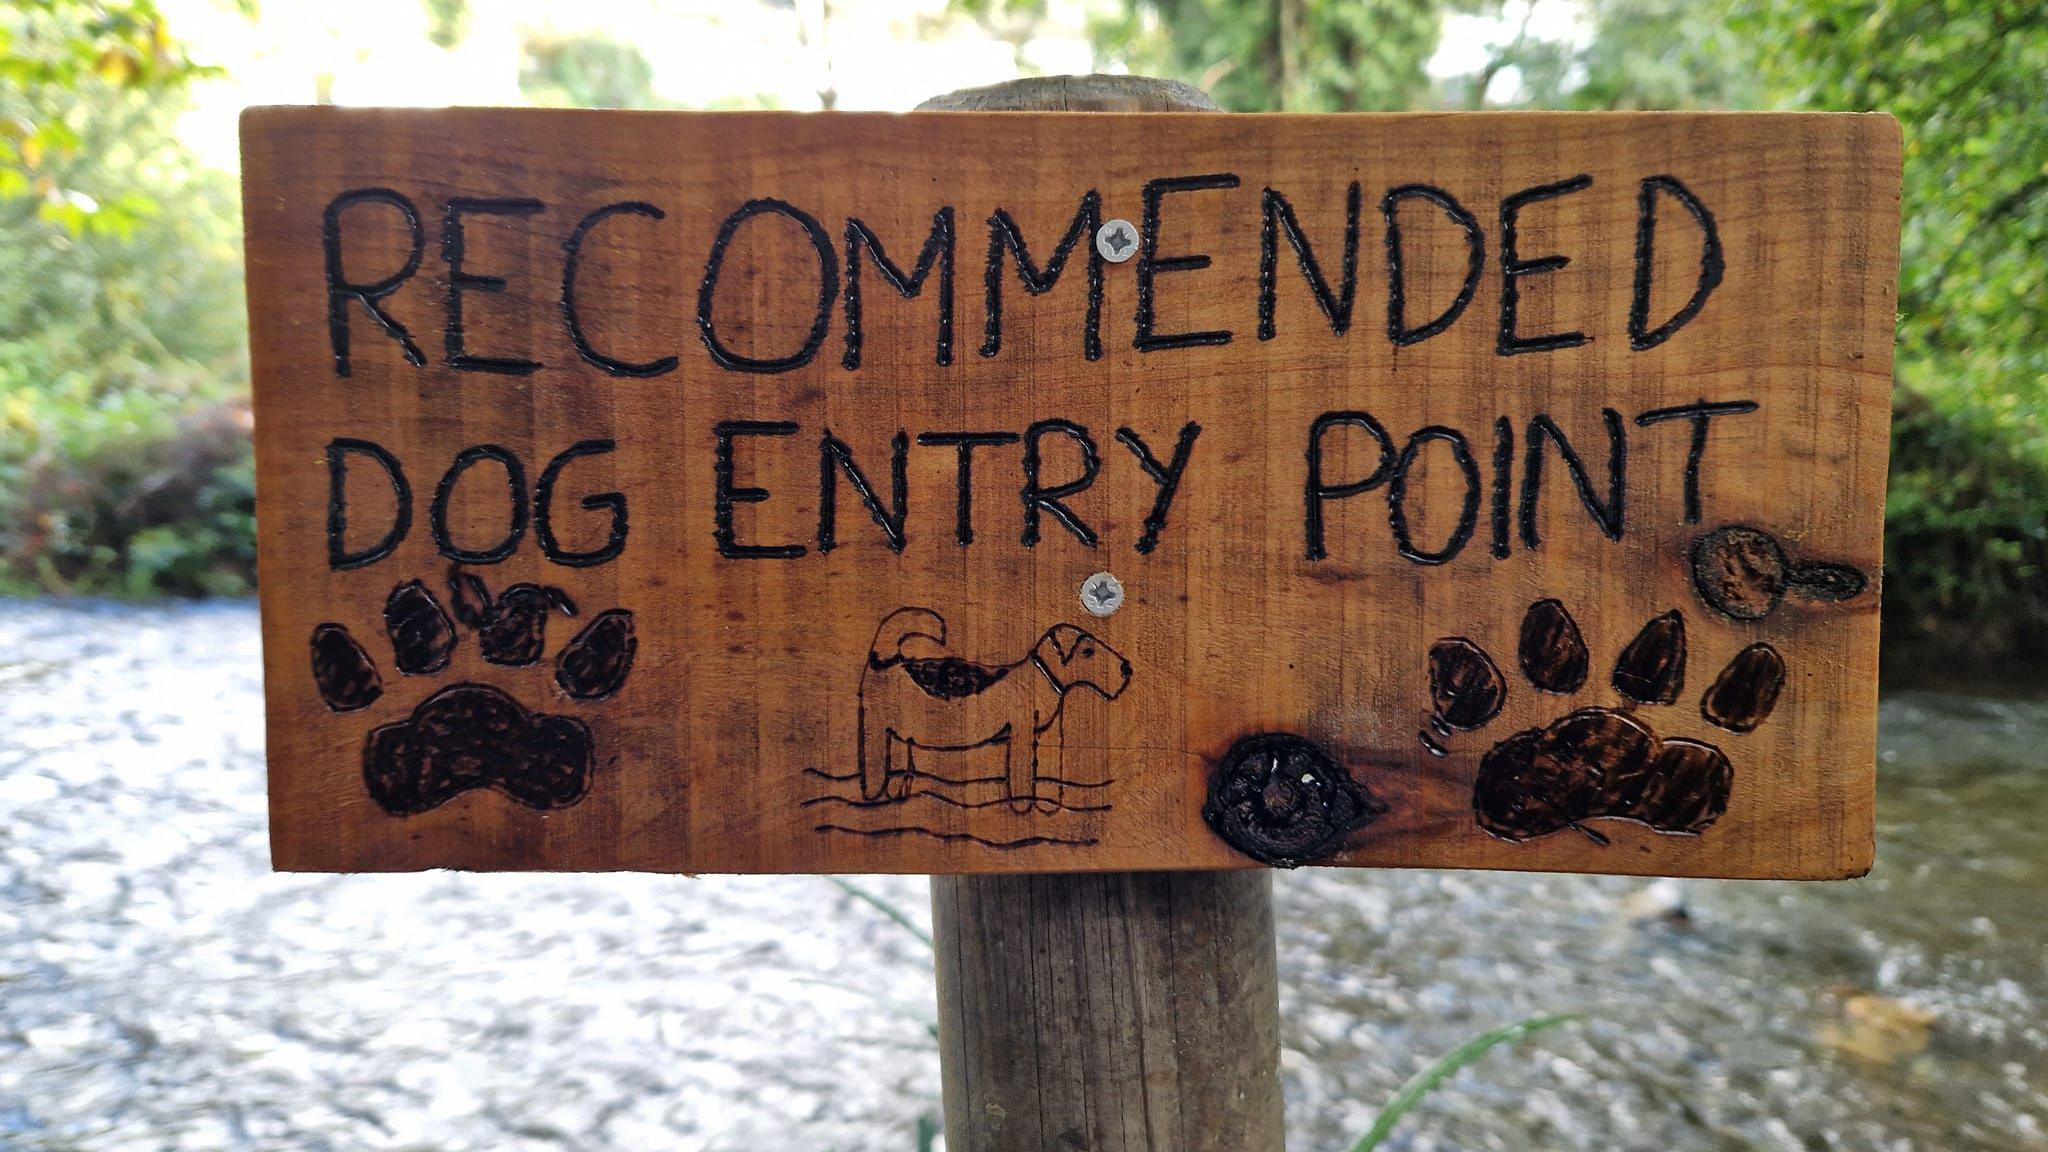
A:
(161, 989)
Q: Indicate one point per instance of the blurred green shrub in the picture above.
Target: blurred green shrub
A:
(125, 464)
(586, 72)
(1966, 523)
(136, 492)
(1966, 550)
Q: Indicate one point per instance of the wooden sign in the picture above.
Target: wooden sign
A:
(1059, 492)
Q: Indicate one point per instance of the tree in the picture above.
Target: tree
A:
(1968, 541)
(1638, 54)
(1262, 56)
(1294, 55)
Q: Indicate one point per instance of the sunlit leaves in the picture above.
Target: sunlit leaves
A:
(57, 57)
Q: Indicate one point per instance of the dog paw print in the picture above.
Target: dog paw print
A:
(471, 735)
(1600, 763)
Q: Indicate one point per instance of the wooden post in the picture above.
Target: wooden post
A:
(1118, 1010)
(1125, 1010)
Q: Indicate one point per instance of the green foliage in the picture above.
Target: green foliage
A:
(1293, 56)
(50, 49)
(131, 492)
(1967, 547)
(1370, 55)
(896, 915)
(587, 72)
(1966, 522)
(61, 43)
(124, 455)
(1641, 54)
(1433, 1077)
(447, 22)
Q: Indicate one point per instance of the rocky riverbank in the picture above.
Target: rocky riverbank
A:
(161, 989)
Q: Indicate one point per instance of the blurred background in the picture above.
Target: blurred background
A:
(125, 467)
(159, 989)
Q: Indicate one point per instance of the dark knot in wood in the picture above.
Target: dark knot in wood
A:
(1744, 573)
(1282, 800)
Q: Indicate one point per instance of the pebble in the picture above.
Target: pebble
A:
(161, 990)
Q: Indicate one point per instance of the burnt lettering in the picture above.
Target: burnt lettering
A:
(1317, 491)
(828, 289)
(1640, 335)
(339, 557)
(572, 256)
(1151, 264)
(1166, 476)
(1278, 217)
(1514, 269)
(515, 482)
(1608, 513)
(1398, 330)
(937, 252)
(544, 506)
(1503, 484)
(1003, 233)
(1397, 496)
(834, 457)
(1700, 415)
(727, 493)
(341, 290)
(966, 443)
(454, 251)
(1037, 496)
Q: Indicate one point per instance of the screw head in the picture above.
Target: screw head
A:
(1117, 240)
(1102, 594)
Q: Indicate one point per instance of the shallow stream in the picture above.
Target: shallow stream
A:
(160, 989)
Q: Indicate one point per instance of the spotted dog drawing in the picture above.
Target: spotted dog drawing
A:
(916, 699)
(1607, 763)
(472, 735)
(937, 733)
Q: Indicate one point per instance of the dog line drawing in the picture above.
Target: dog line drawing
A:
(919, 703)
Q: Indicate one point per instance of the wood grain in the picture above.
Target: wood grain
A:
(746, 686)
(1132, 1010)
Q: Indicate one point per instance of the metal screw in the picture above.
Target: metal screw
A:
(1102, 594)
(1117, 240)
